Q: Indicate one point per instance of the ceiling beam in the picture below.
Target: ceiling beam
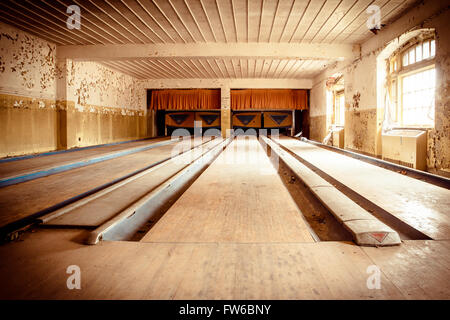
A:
(296, 51)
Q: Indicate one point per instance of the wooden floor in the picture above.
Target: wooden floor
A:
(240, 198)
(21, 200)
(235, 233)
(422, 205)
(36, 269)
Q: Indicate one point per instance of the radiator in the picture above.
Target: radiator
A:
(405, 147)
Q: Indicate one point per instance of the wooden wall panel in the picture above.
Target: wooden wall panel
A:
(247, 119)
(180, 119)
(277, 119)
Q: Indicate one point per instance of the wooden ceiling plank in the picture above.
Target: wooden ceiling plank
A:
(355, 17)
(26, 14)
(156, 71)
(299, 22)
(328, 17)
(192, 71)
(101, 21)
(313, 20)
(35, 25)
(338, 20)
(142, 20)
(109, 14)
(384, 18)
(155, 20)
(32, 29)
(52, 5)
(221, 22)
(260, 20)
(209, 21)
(273, 20)
(92, 22)
(127, 72)
(168, 20)
(200, 72)
(287, 20)
(195, 20)
(182, 21)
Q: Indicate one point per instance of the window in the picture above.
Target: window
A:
(418, 98)
(412, 83)
(339, 108)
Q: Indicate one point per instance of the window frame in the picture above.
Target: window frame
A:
(336, 95)
(398, 74)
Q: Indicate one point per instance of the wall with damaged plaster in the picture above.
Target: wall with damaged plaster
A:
(103, 105)
(364, 110)
(47, 104)
(29, 117)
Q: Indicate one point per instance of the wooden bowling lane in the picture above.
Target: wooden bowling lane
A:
(24, 199)
(239, 198)
(93, 213)
(42, 162)
(422, 205)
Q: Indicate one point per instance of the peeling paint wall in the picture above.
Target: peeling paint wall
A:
(438, 153)
(363, 109)
(103, 105)
(29, 117)
(47, 104)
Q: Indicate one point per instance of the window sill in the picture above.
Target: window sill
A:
(423, 128)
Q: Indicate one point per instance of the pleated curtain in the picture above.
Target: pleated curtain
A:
(185, 99)
(265, 99)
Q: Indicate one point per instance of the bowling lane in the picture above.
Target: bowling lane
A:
(422, 205)
(17, 167)
(239, 198)
(24, 199)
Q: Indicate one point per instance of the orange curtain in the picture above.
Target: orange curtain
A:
(285, 99)
(185, 99)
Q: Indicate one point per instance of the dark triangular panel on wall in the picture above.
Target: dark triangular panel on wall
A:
(209, 118)
(245, 119)
(179, 118)
(278, 118)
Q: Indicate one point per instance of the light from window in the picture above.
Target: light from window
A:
(412, 56)
(418, 98)
(405, 60)
(418, 53)
(339, 109)
(426, 49)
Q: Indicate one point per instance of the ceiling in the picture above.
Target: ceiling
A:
(120, 22)
(213, 68)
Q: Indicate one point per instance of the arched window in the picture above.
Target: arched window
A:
(412, 81)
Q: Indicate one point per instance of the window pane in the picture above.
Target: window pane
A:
(418, 53)
(433, 48)
(405, 59)
(412, 56)
(426, 49)
(418, 98)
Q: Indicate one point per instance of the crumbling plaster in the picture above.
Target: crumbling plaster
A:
(364, 107)
(48, 104)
